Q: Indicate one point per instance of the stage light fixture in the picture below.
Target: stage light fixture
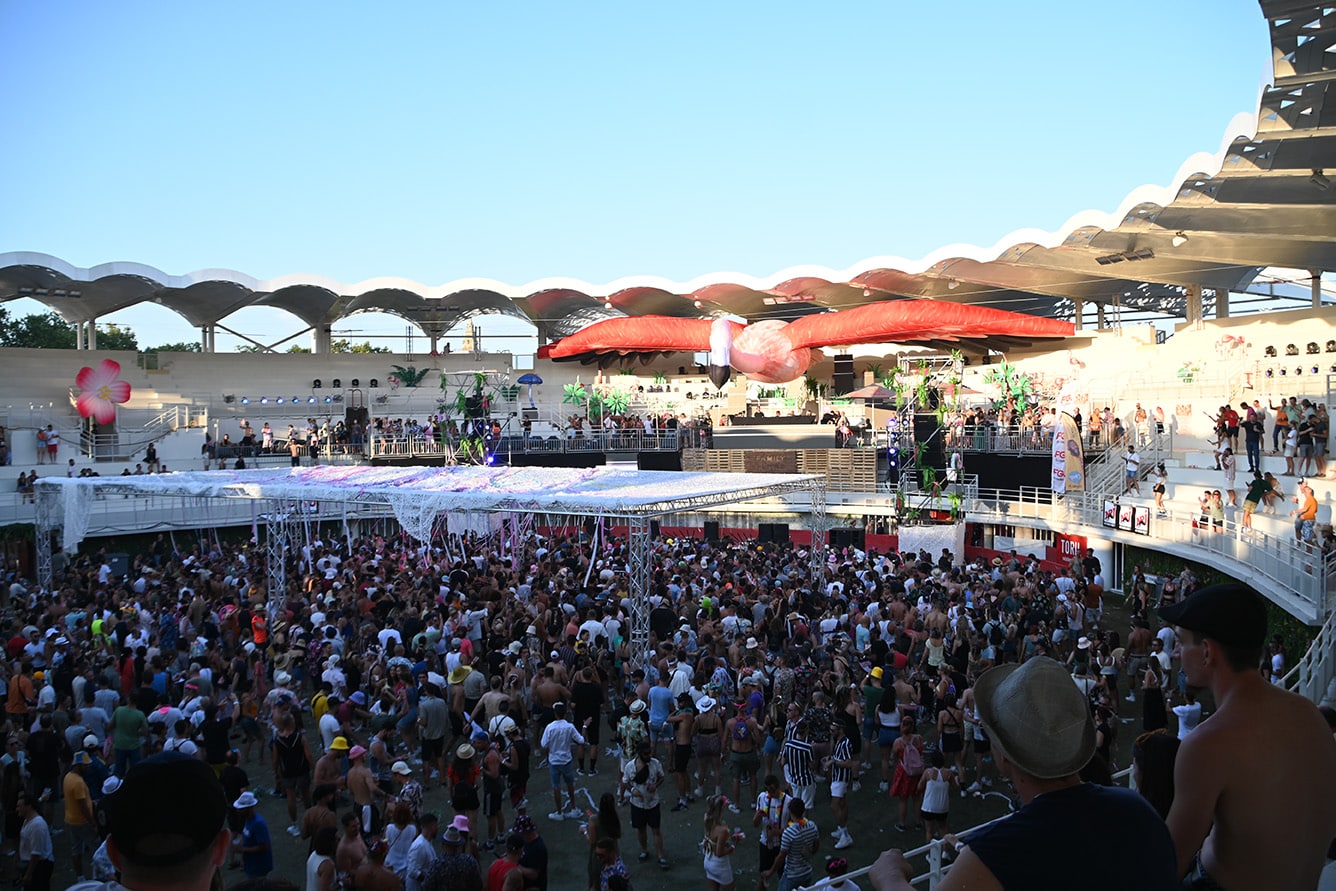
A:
(245, 400)
(336, 383)
(296, 399)
(315, 384)
(867, 292)
(279, 400)
(230, 398)
(311, 400)
(264, 400)
(952, 283)
(1179, 239)
(356, 382)
(607, 304)
(328, 400)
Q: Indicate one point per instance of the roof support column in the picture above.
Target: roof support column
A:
(92, 334)
(1099, 316)
(1192, 305)
(1222, 303)
(323, 338)
(79, 336)
(1317, 288)
(1079, 309)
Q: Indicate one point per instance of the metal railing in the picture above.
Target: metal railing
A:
(1295, 567)
(1312, 675)
(937, 865)
(601, 441)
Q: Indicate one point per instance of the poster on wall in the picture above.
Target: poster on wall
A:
(1125, 512)
(1141, 521)
(1111, 514)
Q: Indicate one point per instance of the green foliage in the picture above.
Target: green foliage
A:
(615, 402)
(1295, 635)
(182, 347)
(409, 376)
(575, 394)
(298, 349)
(39, 331)
(347, 346)
(1016, 387)
(114, 337)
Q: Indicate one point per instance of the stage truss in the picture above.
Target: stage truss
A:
(419, 498)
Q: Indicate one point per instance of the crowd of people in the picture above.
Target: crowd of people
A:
(416, 702)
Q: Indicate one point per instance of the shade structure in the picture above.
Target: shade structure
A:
(875, 391)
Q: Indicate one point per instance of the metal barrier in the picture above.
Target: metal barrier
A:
(1312, 675)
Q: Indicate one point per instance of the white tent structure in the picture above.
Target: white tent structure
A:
(429, 499)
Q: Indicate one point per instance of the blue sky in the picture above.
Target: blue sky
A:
(517, 141)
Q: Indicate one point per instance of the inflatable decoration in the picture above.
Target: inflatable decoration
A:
(100, 390)
(776, 352)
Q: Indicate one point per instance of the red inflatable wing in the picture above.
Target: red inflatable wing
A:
(910, 321)
(641, 334)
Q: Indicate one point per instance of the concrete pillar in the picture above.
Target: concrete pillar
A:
(1317, 287)
(92, 334)
(1079, 305)
(204, 339)
(1192, 310)
(323, 340)
(79, 336)
(1099, 316)
(1222, 303)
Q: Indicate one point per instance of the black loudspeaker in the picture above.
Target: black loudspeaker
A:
(653, 529)
(374, 383)
(120, 564)
(336, 384)
(659, 461)
(356, 416)
(844, 374)
(844, 538)
(764, 531)
(473, 406)
(711, 530)
(315, 384)
(356, 382)
(776, 532)
(928, 434)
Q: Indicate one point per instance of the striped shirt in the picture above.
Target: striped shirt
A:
(798, 761)
(843, 751)
(799, 843)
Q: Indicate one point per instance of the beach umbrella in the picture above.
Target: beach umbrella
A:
(872, 392)
(529, 379)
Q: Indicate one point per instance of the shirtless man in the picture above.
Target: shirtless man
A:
(1138, 653)
(744, 736)
(320, 814)
(329, 768)
(683, 720)
(373, 874)
(365, 790)
(1255, 786)
(547, 692)
(489, 705)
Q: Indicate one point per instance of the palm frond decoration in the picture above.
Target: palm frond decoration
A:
(409, 376)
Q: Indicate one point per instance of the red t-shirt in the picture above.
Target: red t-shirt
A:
(496, 874)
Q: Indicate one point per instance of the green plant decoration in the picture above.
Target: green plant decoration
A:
(1017, 388)
(575, 394)
(615, 402)
(409, 376)
(660, 379)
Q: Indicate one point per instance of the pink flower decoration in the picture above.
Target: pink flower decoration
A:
(100, 390)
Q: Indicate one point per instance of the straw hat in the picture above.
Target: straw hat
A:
(1037, 717)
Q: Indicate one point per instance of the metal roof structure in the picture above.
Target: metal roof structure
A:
(1265, 199)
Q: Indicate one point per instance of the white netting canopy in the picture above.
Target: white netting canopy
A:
(418, 495)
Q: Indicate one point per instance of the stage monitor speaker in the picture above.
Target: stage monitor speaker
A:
(668, 460)
(843, 381)
(120, 564)
(555, 459)
(928, 434)
(711, 530)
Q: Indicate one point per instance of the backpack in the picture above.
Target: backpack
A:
(996, 636)
(912, 760)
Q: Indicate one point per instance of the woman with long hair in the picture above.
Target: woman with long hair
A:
(462, 777)
(1153, 756)
(605, 824)
(717, 846)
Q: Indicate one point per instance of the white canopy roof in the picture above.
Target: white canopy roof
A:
(419, 495)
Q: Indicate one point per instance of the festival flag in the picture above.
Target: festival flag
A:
(1068, 460)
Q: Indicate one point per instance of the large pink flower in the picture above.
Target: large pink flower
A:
(100, 390)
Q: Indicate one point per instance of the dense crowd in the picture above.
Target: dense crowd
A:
(394, 674)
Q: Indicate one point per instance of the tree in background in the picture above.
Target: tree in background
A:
(252, 348)
(48, 331)
(176, 348)
(347, 346)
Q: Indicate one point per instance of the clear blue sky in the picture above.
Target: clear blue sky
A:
(520, 140)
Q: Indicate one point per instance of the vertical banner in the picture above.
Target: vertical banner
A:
(1068, 462)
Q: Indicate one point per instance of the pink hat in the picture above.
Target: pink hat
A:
(356, 752)
(460, 822)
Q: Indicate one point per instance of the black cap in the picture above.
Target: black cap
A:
(170, 808)
(1231, 613)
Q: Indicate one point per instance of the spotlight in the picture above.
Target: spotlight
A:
(356, 382)
(264, 400)
(1179, 239)
(374, 383)
(867, 292)
(311, 400)
(279, 400)
(245, 400)
(1270, 373)
(328, 400)
(336, 383)
(229, 398)
(1298, 371)
(607, 304)
(952, 283)
(296, 399)
(698, 304)
(1320, 180)
(1314, 369)
(315, 384)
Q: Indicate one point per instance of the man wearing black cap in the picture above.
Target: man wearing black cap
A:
(167, 826)
(1255, 785)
